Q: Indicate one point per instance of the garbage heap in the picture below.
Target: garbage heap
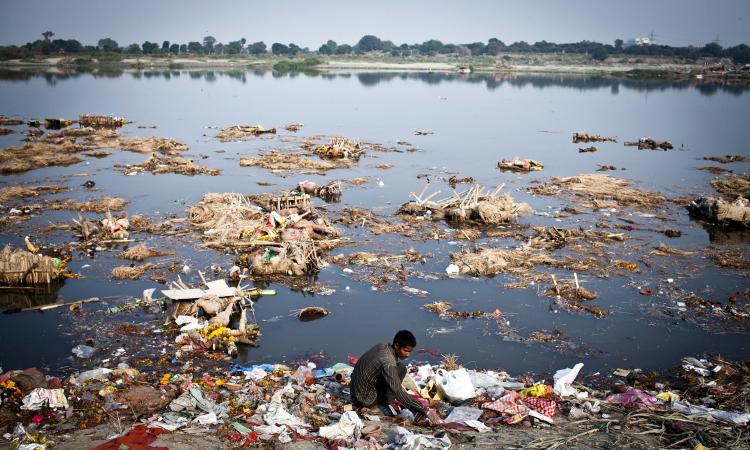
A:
(275, 234)
(23, 268)
(205, 317)
(274, 404)
(109, 228)
(721, 212)
(340, 148)
(473, 205)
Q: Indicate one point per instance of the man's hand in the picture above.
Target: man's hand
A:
(433, 418)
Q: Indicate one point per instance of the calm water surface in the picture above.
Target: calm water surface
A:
(476, 122)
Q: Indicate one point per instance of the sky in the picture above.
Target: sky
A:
(309, 23)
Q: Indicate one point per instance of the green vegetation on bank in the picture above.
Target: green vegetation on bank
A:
(369, 45)
(650, 74)
(286, 65)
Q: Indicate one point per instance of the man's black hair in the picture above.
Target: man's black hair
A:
(404, 338)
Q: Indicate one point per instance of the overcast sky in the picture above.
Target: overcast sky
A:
(309, 23)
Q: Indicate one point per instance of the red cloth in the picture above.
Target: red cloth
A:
(541, 405)
(138, 438)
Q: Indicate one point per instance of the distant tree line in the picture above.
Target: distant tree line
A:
(370, 44)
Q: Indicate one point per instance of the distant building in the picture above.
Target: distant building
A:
(641, 41)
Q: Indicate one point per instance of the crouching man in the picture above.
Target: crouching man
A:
(377, 376)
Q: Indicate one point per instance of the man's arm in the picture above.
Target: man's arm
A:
(390, 373)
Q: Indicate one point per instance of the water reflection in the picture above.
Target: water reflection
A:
(726, 236)
(371, 79)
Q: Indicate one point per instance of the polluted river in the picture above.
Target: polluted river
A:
(458, 207)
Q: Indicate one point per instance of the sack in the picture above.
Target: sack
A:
(455, 385)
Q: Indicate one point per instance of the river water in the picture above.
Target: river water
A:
(475, 121)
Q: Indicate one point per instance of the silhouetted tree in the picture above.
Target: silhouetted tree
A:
(740, 54)
(618, 44)
(133, 49)
(477, 48)
(430, 47)
(47, 35)
(208, 44)
(599, 53)
(344, 49)
(194, 47)
(328, 48)
(494, 47)
(369, 43)
(107, 45)
(712, 49)
(149, 48)
(174, 49)
(279, 49)
(257, 48)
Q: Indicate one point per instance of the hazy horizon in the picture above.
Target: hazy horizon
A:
(674, 22)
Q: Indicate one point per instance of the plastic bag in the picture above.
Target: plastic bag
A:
(564, 381)
(455, 385)
(348, 427)
(83, 351)
(483, 379)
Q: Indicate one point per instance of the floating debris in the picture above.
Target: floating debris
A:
(517, 164)
(725, 159)
(311, 313)
(171, 164)
(130, 273)
(236, 132)
(646, 143)
(141, 252)
(340, 148)
(733, 214)
(90, 120)
(585, 137)
(485, 207)
(600, 191)
(733, 186)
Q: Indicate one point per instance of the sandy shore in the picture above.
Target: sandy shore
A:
(356, 65)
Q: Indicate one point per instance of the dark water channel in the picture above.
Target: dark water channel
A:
(476, 121)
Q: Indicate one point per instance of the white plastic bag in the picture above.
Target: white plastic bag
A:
(564, 381)
(455, 385)
(348, 427)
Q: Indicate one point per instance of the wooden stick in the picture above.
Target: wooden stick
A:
(430, 196)
(554, 281)
(57, 305)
